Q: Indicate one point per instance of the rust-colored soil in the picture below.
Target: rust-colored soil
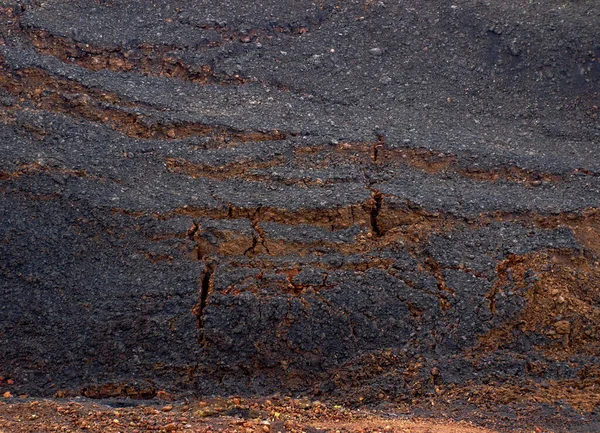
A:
(222, 415)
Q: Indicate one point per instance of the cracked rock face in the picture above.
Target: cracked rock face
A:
(328, 197)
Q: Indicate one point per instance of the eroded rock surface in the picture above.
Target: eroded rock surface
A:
(363, 200)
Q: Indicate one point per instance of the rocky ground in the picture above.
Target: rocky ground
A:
(384, 205)
(234, 415)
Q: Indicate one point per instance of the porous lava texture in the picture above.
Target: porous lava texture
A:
(376, 202)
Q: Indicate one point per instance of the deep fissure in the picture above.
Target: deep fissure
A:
(205, 284)
(375, 209)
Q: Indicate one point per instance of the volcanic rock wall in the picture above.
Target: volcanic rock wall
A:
(352, 198)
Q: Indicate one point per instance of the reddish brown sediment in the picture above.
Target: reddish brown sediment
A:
(33, 169)
(152, 60)
(50, 93)
(560, 302)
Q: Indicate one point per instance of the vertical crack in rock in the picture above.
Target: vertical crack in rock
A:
(191, 234)
(376, 146)
(252, 248)
(375, 150)
(377, 199)
(258, 238)
(206, 282)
